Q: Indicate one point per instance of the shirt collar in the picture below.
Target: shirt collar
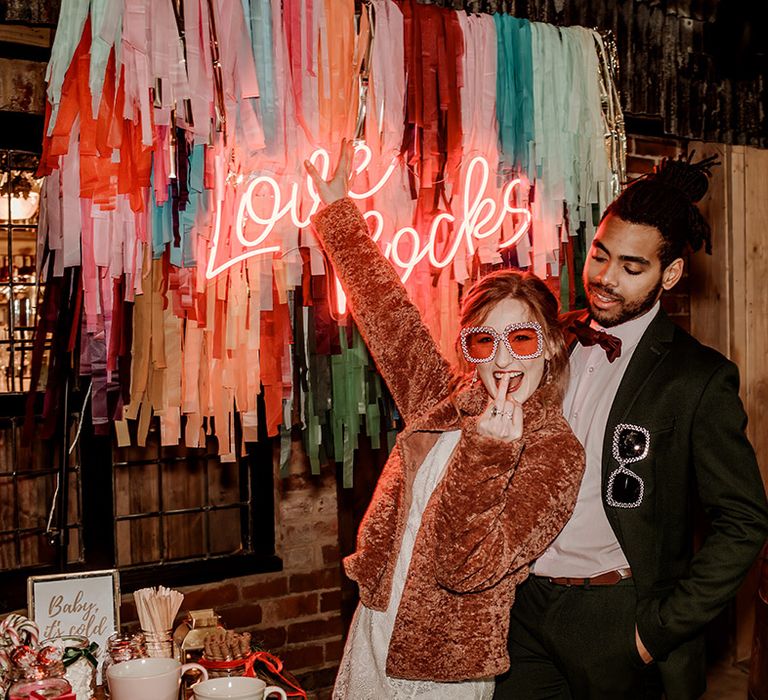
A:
(631, 331)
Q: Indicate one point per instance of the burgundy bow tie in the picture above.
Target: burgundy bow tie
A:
(588, 336)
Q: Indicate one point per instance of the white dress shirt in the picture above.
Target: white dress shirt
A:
(587, 546)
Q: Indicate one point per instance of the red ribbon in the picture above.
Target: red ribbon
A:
(273, 664)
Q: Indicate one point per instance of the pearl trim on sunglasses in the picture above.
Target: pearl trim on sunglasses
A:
(504, 337)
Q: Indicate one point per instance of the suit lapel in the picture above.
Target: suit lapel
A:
(650, 351)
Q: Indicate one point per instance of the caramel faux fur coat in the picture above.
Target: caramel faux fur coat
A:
(497, 507)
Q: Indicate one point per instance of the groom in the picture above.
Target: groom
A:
(616, 606)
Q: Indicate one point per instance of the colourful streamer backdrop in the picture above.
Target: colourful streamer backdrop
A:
(175, 236)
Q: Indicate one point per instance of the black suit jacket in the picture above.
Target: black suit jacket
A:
(686, 395)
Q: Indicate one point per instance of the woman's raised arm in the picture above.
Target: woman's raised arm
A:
(404, 351)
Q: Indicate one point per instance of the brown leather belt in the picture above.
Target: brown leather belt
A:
(609, 578)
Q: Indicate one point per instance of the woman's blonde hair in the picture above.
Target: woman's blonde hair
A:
(532, 291)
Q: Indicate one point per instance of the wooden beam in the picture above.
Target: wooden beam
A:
(29, 36)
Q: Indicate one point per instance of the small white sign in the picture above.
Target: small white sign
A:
(85, 604)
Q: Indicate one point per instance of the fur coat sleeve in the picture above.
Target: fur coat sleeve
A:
(501, 504)
(417, 374)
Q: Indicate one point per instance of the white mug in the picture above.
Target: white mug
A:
(236, 688)
(148, 679)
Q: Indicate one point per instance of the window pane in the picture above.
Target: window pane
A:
(35, 495)
(38, 454)
(6, 446)
(136, 489)
(28, 478)
(36, 550)
(7, 504)
(196, 505)
(8, 559)
(184, 484)
(223, 482)
(138, 541)
(184, 536)
(225, 531)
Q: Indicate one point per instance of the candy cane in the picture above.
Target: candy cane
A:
(25, 625)
(5, 664)
(5, 671)
(12, 636)
(14, 626)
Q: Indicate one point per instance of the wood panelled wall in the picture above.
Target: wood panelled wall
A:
(694, 69)
(729, 303)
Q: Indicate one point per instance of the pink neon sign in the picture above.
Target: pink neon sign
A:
(480, 214)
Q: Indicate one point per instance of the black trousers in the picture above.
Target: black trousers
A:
(574, 643)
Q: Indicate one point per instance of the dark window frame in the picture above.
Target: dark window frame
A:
(98, 540)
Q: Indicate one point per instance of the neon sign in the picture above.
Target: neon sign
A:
(482, 210)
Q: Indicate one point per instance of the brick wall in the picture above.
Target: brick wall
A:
(295, 612)
(642, 155)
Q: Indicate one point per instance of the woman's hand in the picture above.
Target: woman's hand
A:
(503, 419)
(338, 186)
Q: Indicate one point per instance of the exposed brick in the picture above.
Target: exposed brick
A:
(328, 527)
(214, 596)
(333, 650)
(303, 480)
(303, 657)
(296, 506)
(660, 148)
(290, 607)
(299, 558)
(272, 588)
(639, 166)
(315, 580)
(326, 505)
(315, 629)
(330, 600)
(331, 554)
(271, 638)
(238, 616)
(300, 533)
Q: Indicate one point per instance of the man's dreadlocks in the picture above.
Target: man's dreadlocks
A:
(666, 199)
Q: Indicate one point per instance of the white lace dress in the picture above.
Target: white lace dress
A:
(362, 675)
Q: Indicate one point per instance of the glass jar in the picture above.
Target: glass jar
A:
(47, 688)
(122, 646)
(160, 644)
(226, 669)
(79, 659)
